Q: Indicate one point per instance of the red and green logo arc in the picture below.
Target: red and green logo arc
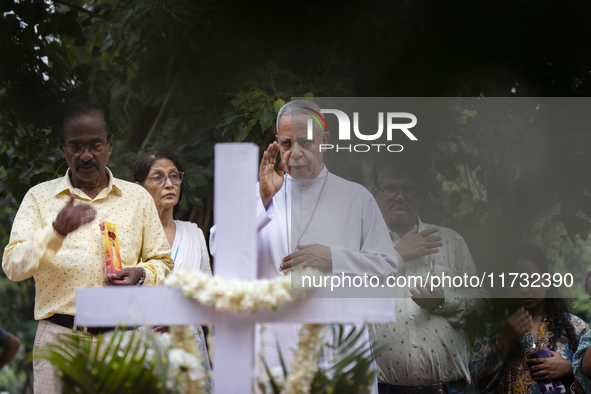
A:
(317, 117)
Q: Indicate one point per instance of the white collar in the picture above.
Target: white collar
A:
(309, 182)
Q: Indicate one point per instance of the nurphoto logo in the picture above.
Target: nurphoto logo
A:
(392, 125)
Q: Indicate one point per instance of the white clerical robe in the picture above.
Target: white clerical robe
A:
(346, 218)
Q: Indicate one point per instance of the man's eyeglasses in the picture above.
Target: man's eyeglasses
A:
(77, 149)
(175, 177)
(407, 192)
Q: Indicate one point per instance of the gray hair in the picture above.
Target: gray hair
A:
(298, 106)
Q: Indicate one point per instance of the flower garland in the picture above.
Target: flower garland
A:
(304, 365)
(250, 296)
(185, 362)
(233, 295)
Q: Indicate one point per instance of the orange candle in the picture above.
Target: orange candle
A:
(111, 244)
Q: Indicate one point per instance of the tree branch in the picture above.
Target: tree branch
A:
(81, 9)
(163, 109)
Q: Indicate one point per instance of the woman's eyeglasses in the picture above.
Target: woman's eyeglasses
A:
(175, 178)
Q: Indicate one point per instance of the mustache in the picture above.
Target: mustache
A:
(87, 164)
(395, 205)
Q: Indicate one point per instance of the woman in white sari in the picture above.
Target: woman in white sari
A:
(161, 173)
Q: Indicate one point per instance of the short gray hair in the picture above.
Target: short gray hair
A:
(298, 106)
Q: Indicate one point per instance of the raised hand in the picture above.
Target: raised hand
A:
(271, 181)
(512, 329)
(413, 245)
(515, 326)
(71, 217)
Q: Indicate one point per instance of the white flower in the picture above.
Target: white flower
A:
(165, 340)
(150, 353)
(277, 375)
(233, 295)
(180, 359)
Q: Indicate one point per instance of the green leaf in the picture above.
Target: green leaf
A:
(271, 380)
(229, 120)
(244, 130)
(116, 367)
(240, 99)
(266, 119)
(278, 104)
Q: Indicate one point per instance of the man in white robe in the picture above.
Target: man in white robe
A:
(328, 223)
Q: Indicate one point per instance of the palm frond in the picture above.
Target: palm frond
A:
(348, 370)
(274, 385)
(118, 362)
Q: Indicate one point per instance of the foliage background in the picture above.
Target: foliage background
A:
(184, 75)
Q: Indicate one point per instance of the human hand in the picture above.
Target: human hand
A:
(125, 277)
(555, 367)
(270, 181)
(413, 245)
(315, 256)
(427, 299)
(515, 326)
(71, 217)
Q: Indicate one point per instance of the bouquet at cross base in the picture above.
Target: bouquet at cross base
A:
(135, 362)
(348, 369)
(128, 362)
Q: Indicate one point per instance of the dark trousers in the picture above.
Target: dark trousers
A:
(457, 387)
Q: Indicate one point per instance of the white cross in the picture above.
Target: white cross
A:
(236, 167)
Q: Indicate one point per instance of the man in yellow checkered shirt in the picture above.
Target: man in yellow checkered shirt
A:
(56, 236)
